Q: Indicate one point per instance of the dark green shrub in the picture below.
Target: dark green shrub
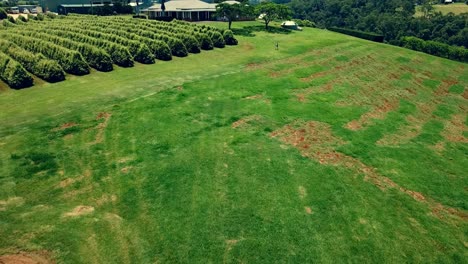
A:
(217, 38)
(205, 41)
(34, 63)
(11, 20)
(163, 52)
(178, 48)
(22, 19)
(70, 60)
(144, 55)
(359, 34)
(51, 15)
(3, 13)
(13, 74)
(229, 38)
(435, 48)
(49, 70)
(190, 43)
(40, 17)
(304, 23)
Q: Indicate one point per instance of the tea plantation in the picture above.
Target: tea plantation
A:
(51, 48)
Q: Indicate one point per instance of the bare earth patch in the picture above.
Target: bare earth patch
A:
(38, 257)
(308, 210)
(106, 198)
(79, 211)
(454, 129)
(101, 126)
(11, 202)
(316, 141)
(258, 97)
(65, 126)
(243, 122)
(378, 112)
(126, 169)
(302, 192)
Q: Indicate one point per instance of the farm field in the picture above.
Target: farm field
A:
(330, 149)
(456, 8)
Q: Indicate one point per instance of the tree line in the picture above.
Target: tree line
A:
(394, 19)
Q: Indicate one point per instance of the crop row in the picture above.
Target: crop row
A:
(74, 44)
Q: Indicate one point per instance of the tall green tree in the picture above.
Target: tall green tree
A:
(269, 11)
(233, 12)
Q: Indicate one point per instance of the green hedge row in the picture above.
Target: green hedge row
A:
(359, 34)
(176, 45)
(12, 73)
(70, 60)
(36, 63)
(159, 48)
(117, 53)
(95, 57)
(436, 48)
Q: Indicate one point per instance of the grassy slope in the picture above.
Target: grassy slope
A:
(456, 8)
(172, 180)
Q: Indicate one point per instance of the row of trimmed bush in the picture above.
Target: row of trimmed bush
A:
(13, 74)
(117, 53)
(70, 60)
(92, 28)
(160, 48)
(435, 48)
(36, 63)
(177, 47)
(95, 57)
(359, 34)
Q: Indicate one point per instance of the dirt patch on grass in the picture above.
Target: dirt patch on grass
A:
(101, 126)
(79, 211)
(11, 202)
(65, 126)
(106, 198)
(308, 210)
(316, 141)
(378, 112)
(454, 129)
(259, 97)
(126, 169)
(243, 122)
(37, 257)
(69, 181)
(302, 192)
(304, 93)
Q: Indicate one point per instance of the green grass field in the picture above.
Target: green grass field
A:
(456, 8)
(330, 149)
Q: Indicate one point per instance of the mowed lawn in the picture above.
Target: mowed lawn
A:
(330, 149)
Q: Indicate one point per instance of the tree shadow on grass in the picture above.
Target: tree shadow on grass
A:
(249, 31)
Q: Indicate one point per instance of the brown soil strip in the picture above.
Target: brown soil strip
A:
(316, 141)
(379, 112)
(101, 126)
(79, 211)
(258, 97)
(37, 257)
(423, 115)
(65, 126)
